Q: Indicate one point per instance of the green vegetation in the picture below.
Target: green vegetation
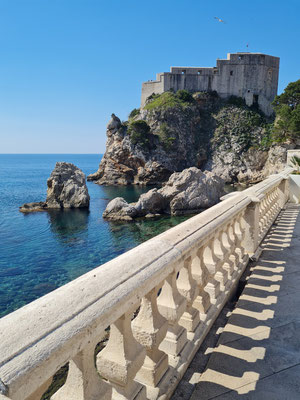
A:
(139, 132)
(239, 124)
(287, 109)
(165, 136)
(180, 99)
(134, 113)
(59, 379)
(236, 101)
(296, 163)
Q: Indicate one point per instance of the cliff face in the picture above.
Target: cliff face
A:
(178, 131)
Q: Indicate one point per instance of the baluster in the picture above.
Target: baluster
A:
(221, 254)
(264, 214)
(234, 258)
(228, 261)
(200, 274)
(83, 381)
(121, 359)
(261, 218)
(277, 201)
(150, 328)
(211, 263)
(269, 211)
(171, 305)
(239, 235)
(188, 287)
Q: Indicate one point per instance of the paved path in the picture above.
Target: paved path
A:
(257, 355)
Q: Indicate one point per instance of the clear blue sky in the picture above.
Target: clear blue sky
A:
(66, 65)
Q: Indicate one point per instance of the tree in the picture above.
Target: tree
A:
(287, 109)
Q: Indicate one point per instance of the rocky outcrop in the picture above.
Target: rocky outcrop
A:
(206, 132)
(118, 209)
(66, 189)
(186, 192)
(36, 206)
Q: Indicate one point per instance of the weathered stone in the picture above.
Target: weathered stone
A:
(185, 192)
(151, 202)
(119, 209)
(114, 124)
(192, 190)
(67, 187)
(29, 207)
(208, 133)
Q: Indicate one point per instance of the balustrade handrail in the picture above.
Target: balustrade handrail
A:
(39, 338)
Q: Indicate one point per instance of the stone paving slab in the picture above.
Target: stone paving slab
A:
(257, 355)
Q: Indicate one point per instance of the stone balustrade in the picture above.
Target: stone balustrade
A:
(159, 301)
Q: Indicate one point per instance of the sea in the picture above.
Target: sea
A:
(42, 251)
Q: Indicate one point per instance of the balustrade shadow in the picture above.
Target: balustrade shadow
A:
(260, 341)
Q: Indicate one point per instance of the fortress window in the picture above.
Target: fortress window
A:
(183, 71)
(241, 57)
(199, 72)
(231, 73)
(270, 72)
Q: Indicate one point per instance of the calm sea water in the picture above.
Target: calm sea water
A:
(42, 251)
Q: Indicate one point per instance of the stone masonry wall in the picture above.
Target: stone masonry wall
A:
(252, 76)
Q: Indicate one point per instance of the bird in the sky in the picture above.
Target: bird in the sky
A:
(220, 20)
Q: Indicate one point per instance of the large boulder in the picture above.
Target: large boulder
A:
(151, 202)
(118, 209)
(192, 190)
(66, 189)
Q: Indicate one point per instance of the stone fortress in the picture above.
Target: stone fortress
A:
(252, 76)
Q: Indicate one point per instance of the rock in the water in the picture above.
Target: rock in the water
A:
(67, 187)
(119, 209)
(151, 202)
(192, 190)
(29, 207)
(185, 192)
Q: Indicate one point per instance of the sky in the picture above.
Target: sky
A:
(67, 65)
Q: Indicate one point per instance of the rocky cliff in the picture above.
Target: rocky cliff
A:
(179, 130)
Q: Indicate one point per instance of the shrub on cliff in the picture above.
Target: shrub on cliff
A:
(134, 113)
(287, 109)
(166, 137)
(139, 132)
(182, 99)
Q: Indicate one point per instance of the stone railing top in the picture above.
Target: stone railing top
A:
(32, 337)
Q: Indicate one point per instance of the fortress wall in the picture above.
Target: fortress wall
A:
(151, 87)
(191, 82)
(252, 76)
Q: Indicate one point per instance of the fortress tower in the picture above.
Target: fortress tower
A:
(252, 76)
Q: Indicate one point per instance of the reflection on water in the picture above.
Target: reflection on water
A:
(129, 193)
(67, 224)
(143, 229)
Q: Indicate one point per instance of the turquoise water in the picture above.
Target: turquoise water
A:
(42, 251)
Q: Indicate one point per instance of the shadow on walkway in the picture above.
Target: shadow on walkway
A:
(257, 355)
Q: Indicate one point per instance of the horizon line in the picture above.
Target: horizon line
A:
(32, 154)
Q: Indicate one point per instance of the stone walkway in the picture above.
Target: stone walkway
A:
(255, 354)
